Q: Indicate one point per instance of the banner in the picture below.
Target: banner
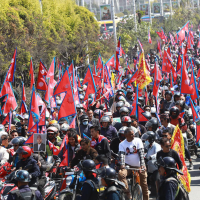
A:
(166, 7)
(105, 12)
(145, 8)
(156, 8)
(177, 144)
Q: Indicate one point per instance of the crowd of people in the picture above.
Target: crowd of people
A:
(104, 129)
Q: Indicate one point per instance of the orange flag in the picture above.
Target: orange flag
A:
(143, 76)
(177, 144)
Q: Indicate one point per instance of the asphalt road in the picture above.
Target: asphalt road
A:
(195, 179)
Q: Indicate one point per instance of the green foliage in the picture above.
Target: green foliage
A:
(60, 29)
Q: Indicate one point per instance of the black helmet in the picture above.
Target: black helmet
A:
(23, 176)
(84, 118)
(91, 96)
(181, 103)
(87, 166)
(105, 119)
(168, 92)
(174, 112)
(129, 76)
(129, 91)
(147, 114)
(121, 132)
(119, 104)
(102, 107)
(119, 92)
(152, 123)
(123, 109)
(169, 164)
(18, 141)
(108, 173)
(150, 135)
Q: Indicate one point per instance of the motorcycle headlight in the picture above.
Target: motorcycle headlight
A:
(68, 180)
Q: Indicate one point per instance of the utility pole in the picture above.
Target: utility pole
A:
(198, 4)
(150, 19)
(82, 3)
(170, 4)
(90, 5)
(114, 25)
(161, 7)
(134, 15)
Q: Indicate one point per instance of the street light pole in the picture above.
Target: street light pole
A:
(134, 15)
(114, 25)
(150, 19)
(161, 7)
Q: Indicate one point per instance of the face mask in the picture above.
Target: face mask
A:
(147, 143)
(85, 122)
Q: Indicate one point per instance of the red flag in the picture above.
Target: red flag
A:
(41, 83)
(42, 121)
(91, 88)
(30, 139)
(32, 74)
(50, 73)
(141, 117)
(12, 68)
(75, 89)
(157, 79)
(194, 112)
(117, 63)
(6, 120)
(167, 63)
(111, 63)
(197, 132)
(195, 95)
(65, 161)
(181, 33)
(162, 34)
(54, 149)
(186, 88)
(23, 108)
(34, 129)
(119, 48)
(133, 78)
(10, 101)
(68, 102)
(179, 65)
(99, 63)
(134, 104)
(73, 123)
(149, 37)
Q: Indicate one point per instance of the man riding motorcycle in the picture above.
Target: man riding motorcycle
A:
(25, 157)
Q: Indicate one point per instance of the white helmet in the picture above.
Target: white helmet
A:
(64, 127)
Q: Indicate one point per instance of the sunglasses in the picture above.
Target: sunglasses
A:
(168, 146)
(4, 138)
(50, 133)
(164, 135)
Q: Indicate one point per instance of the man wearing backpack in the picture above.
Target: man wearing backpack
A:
(24, 192)
(90, 186)
(170, 189)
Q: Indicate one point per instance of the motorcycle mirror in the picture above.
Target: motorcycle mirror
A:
(55, 157)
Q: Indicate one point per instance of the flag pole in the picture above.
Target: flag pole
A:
(114, 25)
(78, 125)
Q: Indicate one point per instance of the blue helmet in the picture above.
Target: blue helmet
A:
(23, 176)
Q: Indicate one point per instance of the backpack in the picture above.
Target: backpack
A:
(181, 194)
(96, 189)
(24, 195)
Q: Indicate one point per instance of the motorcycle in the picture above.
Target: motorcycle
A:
(10, 185)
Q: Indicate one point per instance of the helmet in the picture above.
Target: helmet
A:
(126, 119)
(64, 127)
(174, 110)
(102, 107)
(124, 109)
(105, 119)
(81, 96)
(18, 141)
(119, 104)
(91, 96)
(147, 114)
(2, 127)
(23, 176)
(122, 129)
(121, 98)
(119, 92)
(181, 103)
(129, 76)
(88, 166)
(79, 106)
(56, 125)
(3, 133)
(169, 93)
(108, 173)
(98, 113)
(107, 114)
(58, 102)
(152, 123)
(168, 163)
(52, 129)
(62, 120)
(129, 91)
(149, 135)
(25, 151)
(52, 122)
(84, 118)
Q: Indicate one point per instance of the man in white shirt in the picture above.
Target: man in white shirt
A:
(131, 152)
(4, 155)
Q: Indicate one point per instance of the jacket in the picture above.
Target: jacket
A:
(110, 132)
(57, 143)
(23, 189)
(34, 171)
(82, 155)
(84, 129)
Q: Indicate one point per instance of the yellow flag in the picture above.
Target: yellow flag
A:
(113, 80)
(177, 144)
(143, 77)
